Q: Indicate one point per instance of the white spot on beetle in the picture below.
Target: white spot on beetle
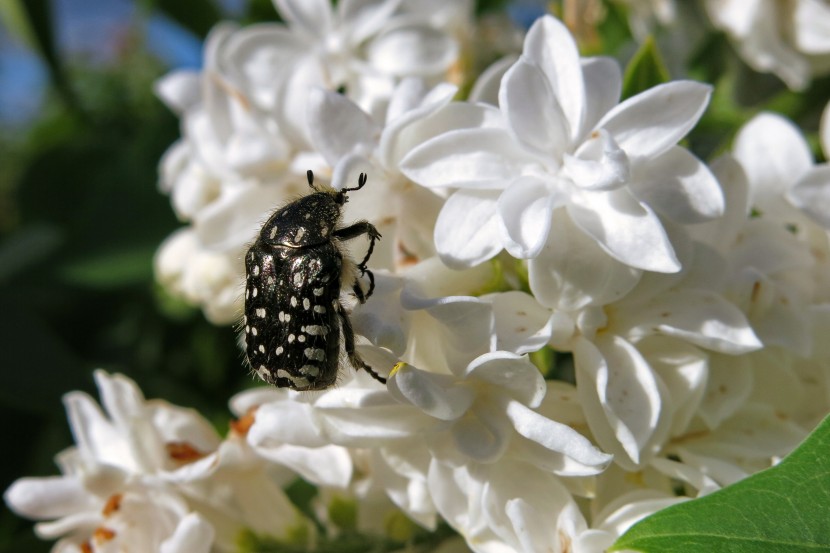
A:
(298, 279)
(261, 348)
(319, 309)
(293, 301)
(256, 291)
(256, 270)
(262, 372)
(299, 235)
(291, 338)
(315, 354)
(310, 370)
(306, 303)
(260, 312)
(279, 350)
(281, 316)
(316, 330)
(247, 329)
(299, 382)
(301, 338)
(253, 330)
(317, 291)
(273, 233)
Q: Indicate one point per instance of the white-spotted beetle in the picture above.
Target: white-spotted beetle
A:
(295, 270)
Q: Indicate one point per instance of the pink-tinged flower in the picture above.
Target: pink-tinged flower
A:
(566, 149)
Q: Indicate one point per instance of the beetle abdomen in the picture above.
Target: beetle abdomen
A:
(292, 328)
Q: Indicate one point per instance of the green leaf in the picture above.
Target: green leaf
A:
(27, 247)
(645, 70)
(111, 270)
(784, 508)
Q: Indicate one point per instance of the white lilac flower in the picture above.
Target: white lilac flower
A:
(788, 39)
(153, 473)
(353, 142)
(566, 149)
(363, 48)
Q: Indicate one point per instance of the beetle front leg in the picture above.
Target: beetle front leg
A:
(353, 231)
(348, 339)
(358, 229)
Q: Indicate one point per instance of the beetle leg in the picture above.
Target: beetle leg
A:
(348, 338)
(358, 229)
(353, 231)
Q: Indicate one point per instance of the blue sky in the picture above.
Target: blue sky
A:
(90, 29)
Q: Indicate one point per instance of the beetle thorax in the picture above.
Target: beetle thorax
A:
(309, 221)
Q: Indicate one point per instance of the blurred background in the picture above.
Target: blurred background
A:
(81, 216)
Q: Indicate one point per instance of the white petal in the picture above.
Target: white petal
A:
(369, 418)
(773, 154)
(468, 230)
(525, 210)
(533, 111)
(337, 126)
(603, 85)
(413, 95)
(679, 186)
(434, 394)
(812, 194)
(285, 422)
(701, 317)
(550, 45)
(648, 124)
(727, 388)
(621, 397)
(48, 497)
(364, 18)
(599, 164)
(756, 432)
(232, 221)
(180, 90)
(684, 370)
(467, 327)
(412, 49)
(522, 325)
(511, 374)
(583, 457)
(486, 87)
(95, 435)
(824, 131)
(480, 158)
(330, 465)
(482, 434)
(626, 229)
(312, 17)
(405, 133)
(193, 534)
(812, 26)
(572, 271)
(721, 231)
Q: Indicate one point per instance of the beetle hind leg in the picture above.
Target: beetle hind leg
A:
(348, 339)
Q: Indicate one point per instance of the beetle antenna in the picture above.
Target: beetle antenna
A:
(310, 176)
(361, 180)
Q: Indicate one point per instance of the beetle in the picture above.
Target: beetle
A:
(295, 270)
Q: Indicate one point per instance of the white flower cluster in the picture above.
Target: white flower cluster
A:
(578, 316)
(788, 39)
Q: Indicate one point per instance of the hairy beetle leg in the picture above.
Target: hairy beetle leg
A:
(348, 337)
(353, 231)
